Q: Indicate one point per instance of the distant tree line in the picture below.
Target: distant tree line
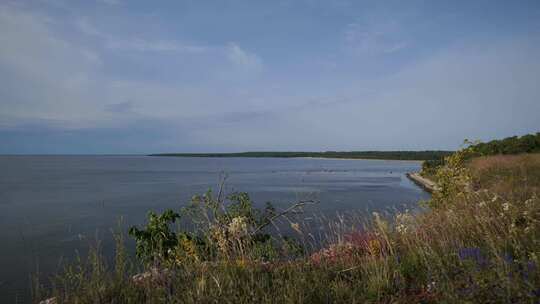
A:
(529, 143)
(394, 155)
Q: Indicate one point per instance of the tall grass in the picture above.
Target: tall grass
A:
(478, 243)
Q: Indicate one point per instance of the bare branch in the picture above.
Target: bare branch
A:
(291, 209)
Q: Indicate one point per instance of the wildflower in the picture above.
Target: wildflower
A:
(332, 254)
(154, 275)
(238, 227)
(431, 286)
(529, 270)
(381, 224)
(242, 263)
(296, 227)
(218, 235)
(508, 258)
(52, 300)
(363, 241)
(186, 250)
(401, 228)
(506, 206)
(374, 247)
(482, 204)
(404, 217)
(473, 254)
(403, 221)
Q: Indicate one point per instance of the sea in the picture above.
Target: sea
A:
(54, 207)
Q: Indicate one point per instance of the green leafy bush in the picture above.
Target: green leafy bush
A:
(229, 228)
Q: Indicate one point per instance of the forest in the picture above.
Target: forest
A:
(393, 155)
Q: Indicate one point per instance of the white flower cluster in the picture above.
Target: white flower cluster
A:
(431, 286)
(238, 227)
(404, 222)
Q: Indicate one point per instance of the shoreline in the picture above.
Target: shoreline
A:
(292, 157)
(426, 184)
(344, 158)
(416, 156)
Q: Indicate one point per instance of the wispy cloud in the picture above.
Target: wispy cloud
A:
(142, 45)
(242, 57)
(87, 28)
(33, 56)
(235, 54)
(136, 44)
(374, 38)
(121, 107)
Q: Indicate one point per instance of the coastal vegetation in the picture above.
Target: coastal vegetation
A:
(529, 143)
(394, 155)
(476, 241)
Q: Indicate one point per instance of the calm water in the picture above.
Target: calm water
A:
(50, 206)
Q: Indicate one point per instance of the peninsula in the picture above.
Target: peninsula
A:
(390, 155)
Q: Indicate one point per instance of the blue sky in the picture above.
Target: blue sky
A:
(119, 76)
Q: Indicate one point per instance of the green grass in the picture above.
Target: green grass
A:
(477, 243)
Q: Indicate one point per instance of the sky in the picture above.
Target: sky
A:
(129, 77)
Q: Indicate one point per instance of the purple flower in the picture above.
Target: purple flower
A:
(508, 258)
(529, 270)
(531, 267)
(473, 254)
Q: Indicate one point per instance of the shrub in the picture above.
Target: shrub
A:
(229, 228)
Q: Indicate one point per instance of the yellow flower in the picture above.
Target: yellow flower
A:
(296, 227)
(374, 247)
(241, 263)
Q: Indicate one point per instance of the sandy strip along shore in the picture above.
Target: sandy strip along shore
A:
(423, 182)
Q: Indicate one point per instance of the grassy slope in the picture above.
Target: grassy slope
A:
(478, 243)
